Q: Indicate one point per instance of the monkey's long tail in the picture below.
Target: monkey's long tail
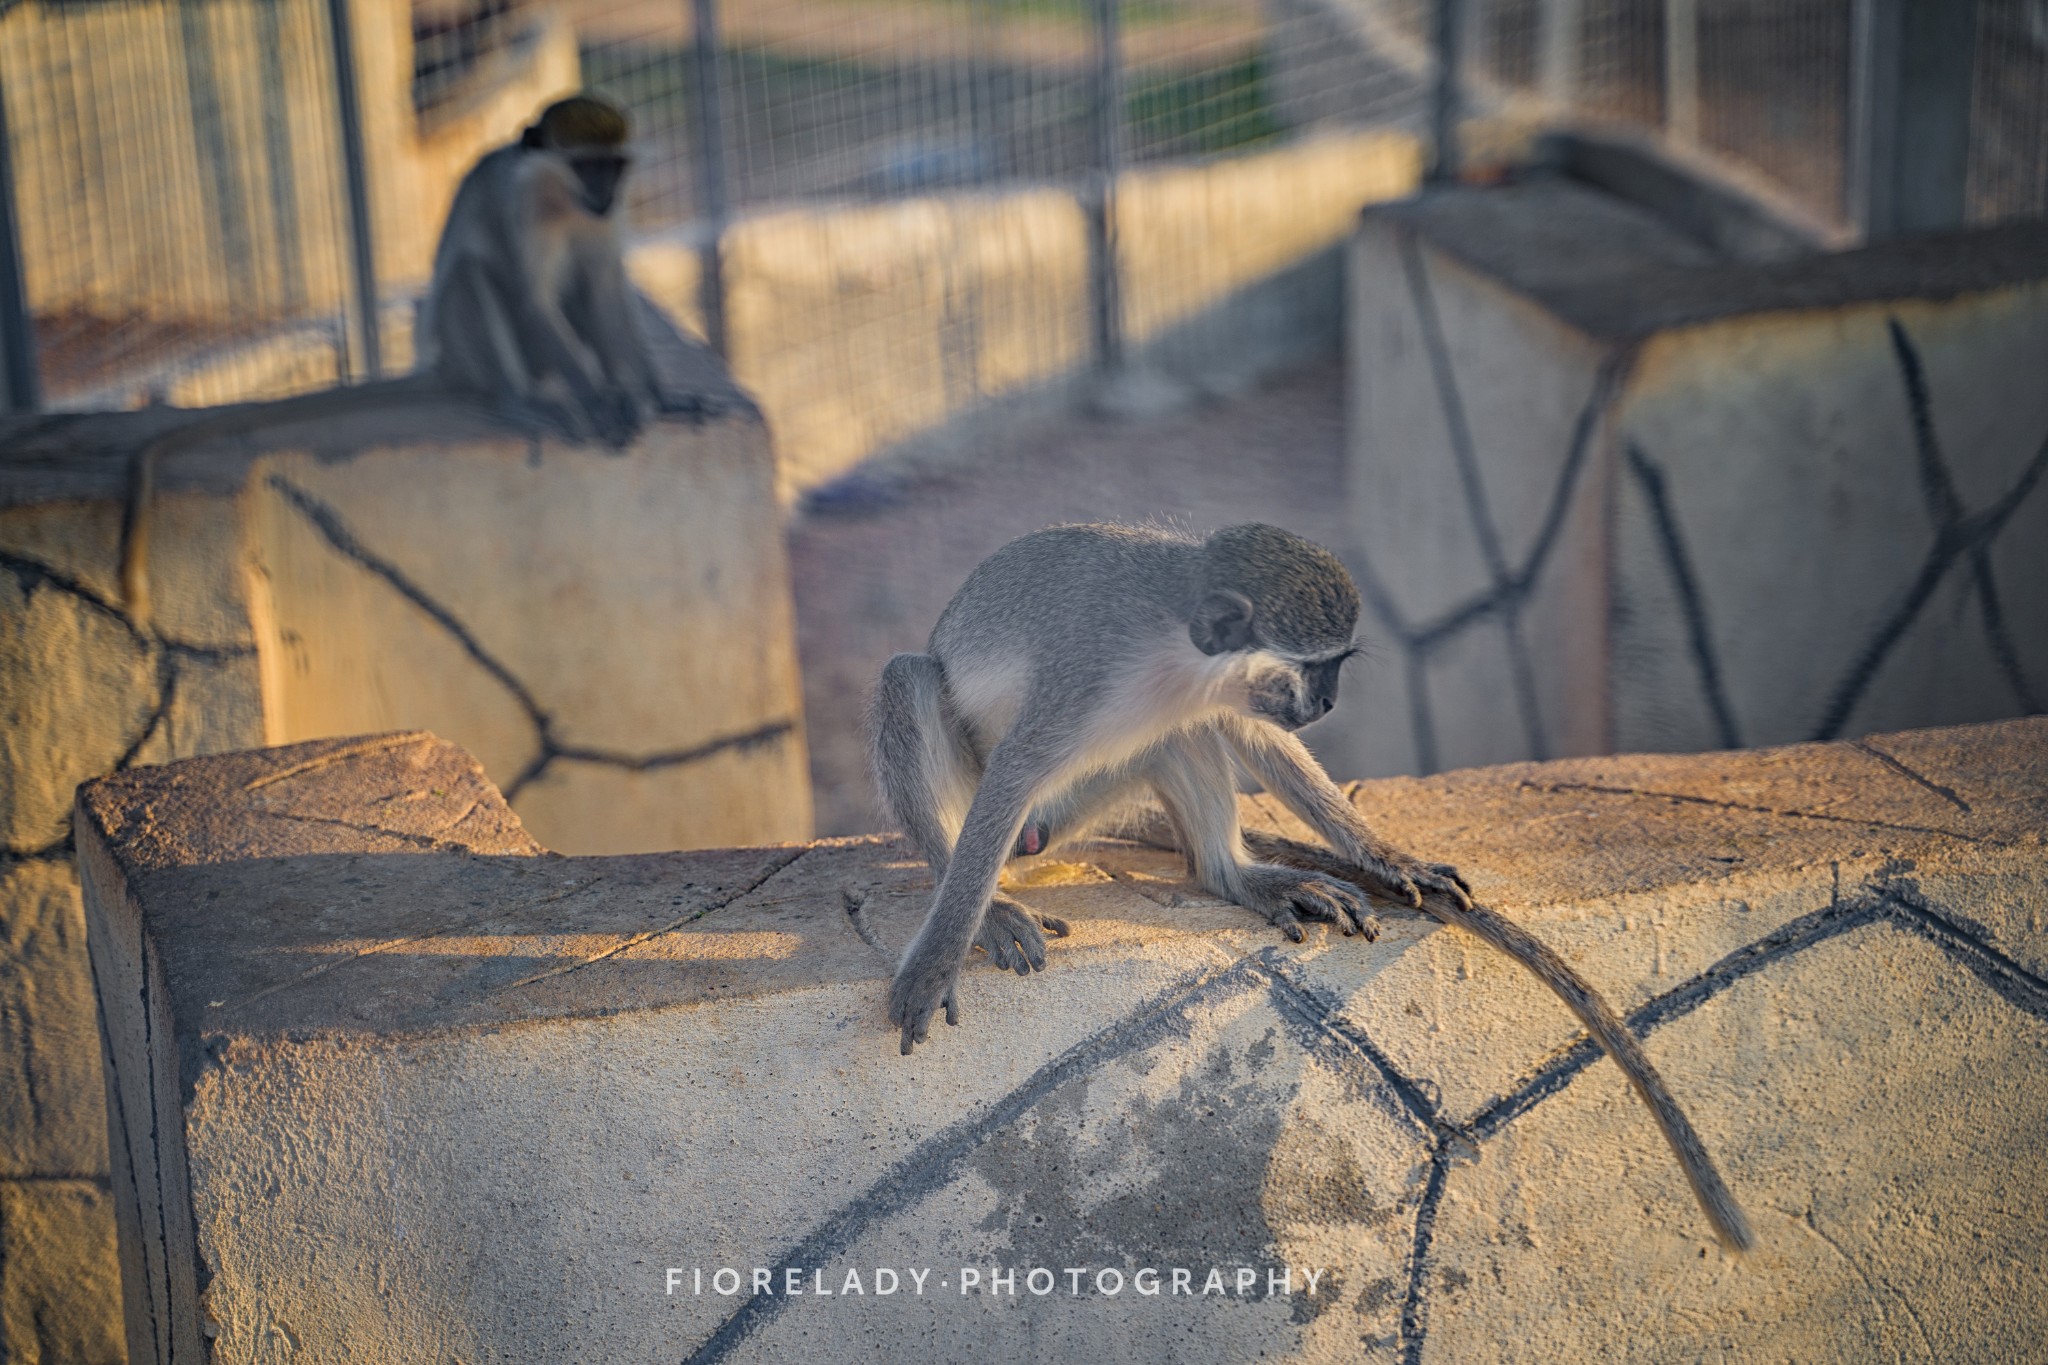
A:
(856, 903)
(1615, 1039)
(1613, 1036)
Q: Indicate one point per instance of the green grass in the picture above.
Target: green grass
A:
(1216, 110)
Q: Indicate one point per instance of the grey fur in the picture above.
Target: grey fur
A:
(529, 305)
(1078, 668)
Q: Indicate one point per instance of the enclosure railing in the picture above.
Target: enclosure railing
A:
(182, 176)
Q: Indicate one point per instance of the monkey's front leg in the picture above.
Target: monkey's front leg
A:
(929, 976)
(1283, 763)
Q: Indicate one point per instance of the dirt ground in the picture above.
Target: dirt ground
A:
(871, 583)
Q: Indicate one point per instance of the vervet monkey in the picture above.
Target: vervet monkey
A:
(529, 309)
(530, 305)
(1080, 666)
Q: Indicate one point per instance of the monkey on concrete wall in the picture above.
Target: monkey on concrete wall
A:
(1083, 665)
(529, 310)
(530, 305)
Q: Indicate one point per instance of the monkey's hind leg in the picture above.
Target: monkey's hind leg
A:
(477, 352)
(927, 771)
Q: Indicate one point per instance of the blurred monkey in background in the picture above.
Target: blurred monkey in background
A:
(530, 305)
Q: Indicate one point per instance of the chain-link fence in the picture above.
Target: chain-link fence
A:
(977, 193)
(177, 182)
(1771, 91)
(2008, 169)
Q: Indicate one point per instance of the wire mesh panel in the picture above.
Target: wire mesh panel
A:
(1773, 80)
(181, 191)
(1508, 38)
(1345, 63)
(913, 180)
(1620, 70)
(2008, 170)
(177, 184)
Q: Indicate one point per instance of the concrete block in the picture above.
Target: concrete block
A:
(611, 632)
(1613, 489)
(420, 1091)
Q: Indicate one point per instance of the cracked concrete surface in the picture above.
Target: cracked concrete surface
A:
(523, 1087)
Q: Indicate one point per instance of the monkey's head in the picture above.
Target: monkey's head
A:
(1287, 603)
(589, 137)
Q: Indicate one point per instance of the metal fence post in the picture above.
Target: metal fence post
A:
(355, 172)
(1446, 105)
(1682, 69)
(1909, 124)
(20, 386)
(712, 205)
(1105, 297)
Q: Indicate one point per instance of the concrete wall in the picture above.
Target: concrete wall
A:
(860, 328)
(1614, 491)
(385, 1103)
(612, 631)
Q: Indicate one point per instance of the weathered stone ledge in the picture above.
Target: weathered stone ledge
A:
(391, 1082)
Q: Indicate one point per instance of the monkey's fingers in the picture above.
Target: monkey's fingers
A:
(1011, 938)
(1288, 922)
(1054, 925)
(1335, 902)
(1395, 883)
(1446, 881)
(917, 1027)
(1446, 870)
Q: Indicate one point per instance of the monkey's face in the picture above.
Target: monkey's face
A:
(1292, 693)
(1285, 684)
(598, 174)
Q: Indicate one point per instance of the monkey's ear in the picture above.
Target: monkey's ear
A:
(1222, 623)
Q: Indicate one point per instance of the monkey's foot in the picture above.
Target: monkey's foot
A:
(921, 987)
(681, 404)
(616, 418)
(1423, 878)
(1407, 880)
(1285, 896)
(1010, 935)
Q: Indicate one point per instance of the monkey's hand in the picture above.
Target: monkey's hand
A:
(923, 983)
(1385, 872)
(616, 417)
(1286, 895)
(1011, 938)
(680, 404)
